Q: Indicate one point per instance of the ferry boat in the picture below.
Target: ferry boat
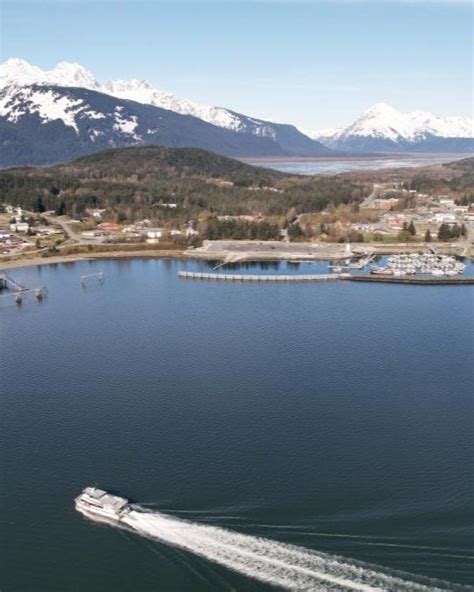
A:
(98, 504)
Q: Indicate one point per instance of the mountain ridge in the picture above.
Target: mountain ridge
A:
(282, 139)
(381, 127)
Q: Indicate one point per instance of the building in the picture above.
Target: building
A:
(153, 235)
(444, 218)
(19, 227)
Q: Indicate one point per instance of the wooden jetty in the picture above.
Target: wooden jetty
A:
(234, 277)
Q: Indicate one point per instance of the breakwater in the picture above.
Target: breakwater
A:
(418, 281)
(228, 277)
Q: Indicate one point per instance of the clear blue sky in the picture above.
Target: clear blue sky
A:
(313, 63)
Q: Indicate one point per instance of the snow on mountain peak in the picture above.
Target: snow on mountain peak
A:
(126, 85)
(382, 121)
(380, 110)
(69, 74)
(18, 72)
(142, 91)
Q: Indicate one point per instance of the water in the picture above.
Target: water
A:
(334, 417)
(328, 166)
(286, 566)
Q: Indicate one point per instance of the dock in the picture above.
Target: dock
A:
(417, 281)
(6, 282)
(234, 277)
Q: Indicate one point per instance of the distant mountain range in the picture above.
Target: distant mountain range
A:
(54, 116)
(384, 129)
(49, 116)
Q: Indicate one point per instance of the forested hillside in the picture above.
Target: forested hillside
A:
(133, 183)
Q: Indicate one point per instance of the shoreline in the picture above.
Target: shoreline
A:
(203, 255)
(57, 259)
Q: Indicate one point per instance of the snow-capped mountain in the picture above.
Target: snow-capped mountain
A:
(18, 72)
(43, 124)
(383, 128)
(47, 94)
(143, 92)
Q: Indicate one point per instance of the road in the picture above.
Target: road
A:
(369, 200)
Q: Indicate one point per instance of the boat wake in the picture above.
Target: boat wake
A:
(287, 566)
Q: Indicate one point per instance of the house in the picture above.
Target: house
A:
(386, 204)
(153, 235)
(109, 226)
(443, 218)
(19, 227)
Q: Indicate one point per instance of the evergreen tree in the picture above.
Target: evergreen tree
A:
(444, 233)
(61, 208)
(411, 228)
(427, 236)
(294, 232)
(38, 205)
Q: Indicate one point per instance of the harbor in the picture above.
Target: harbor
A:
(426, 264)
(429, 268)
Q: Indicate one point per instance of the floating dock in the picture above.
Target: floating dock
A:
(234, 277)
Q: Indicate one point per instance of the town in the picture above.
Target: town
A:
(390, 216)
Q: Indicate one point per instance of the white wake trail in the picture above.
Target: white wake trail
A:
(280, 564)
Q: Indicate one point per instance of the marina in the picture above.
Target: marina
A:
(426, 264)
(414, 280)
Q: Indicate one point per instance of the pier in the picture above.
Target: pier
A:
(6, 282)
(227, 277)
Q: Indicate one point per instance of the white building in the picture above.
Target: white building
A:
(153, 235)
(19, 227)
(443, 218)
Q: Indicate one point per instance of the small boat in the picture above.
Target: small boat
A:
(381, 271)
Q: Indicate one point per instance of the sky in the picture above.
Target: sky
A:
(316, 64)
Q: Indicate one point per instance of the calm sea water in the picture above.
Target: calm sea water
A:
(334, 416)
(321, 166)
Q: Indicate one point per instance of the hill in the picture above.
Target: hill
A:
(134, 183)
